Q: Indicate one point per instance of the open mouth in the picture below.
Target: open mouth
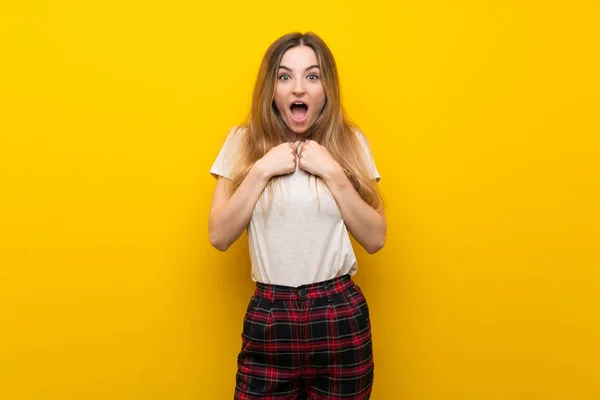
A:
(299, 110)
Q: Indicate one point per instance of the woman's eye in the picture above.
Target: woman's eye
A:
(284, 77)
(313, 77)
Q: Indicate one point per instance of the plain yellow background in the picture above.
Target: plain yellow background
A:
(483, 117)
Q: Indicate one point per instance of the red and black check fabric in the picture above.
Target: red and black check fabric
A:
(307, 342)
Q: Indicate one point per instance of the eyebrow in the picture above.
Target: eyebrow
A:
(289, 69)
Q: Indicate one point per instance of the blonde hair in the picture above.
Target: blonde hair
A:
(265, 129)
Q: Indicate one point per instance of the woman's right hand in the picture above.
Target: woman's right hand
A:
(279, 160)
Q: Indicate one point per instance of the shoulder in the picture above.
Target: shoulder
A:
(233, 140)
(367, 153)
(230, 151)
(236, 132)
(363, 140)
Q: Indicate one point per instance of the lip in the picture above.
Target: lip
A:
(298, 101)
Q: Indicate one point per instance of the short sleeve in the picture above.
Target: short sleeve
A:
(226, 158)
(368, 156)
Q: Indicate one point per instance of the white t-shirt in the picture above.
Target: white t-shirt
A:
(304, 239)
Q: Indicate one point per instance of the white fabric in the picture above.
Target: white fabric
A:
(299, 242)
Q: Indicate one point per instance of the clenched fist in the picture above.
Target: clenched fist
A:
(315, 159)
(279, 160)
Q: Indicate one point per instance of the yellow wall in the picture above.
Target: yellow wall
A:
(484, 121)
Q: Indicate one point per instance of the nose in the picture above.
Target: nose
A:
(298, 87)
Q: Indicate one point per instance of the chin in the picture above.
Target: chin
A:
(299, 130)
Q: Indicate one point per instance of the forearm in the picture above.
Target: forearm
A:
(367, 225)
(227, 223)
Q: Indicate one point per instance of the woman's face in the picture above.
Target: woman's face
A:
(299, 93)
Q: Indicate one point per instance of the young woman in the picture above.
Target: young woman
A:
(299, 177)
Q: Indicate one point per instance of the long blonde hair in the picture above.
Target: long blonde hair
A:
(265, 129)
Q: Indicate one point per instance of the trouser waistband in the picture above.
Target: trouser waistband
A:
(311, 291)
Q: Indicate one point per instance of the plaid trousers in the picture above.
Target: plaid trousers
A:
(306, 342)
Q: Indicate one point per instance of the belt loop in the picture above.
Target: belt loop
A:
(328, 293)
(272, 294)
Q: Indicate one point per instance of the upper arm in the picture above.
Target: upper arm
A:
(220, 195)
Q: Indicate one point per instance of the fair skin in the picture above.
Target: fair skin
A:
(298, 81)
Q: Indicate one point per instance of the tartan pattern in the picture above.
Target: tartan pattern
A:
(308, 342)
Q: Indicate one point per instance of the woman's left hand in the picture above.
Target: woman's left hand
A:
(315, 159)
